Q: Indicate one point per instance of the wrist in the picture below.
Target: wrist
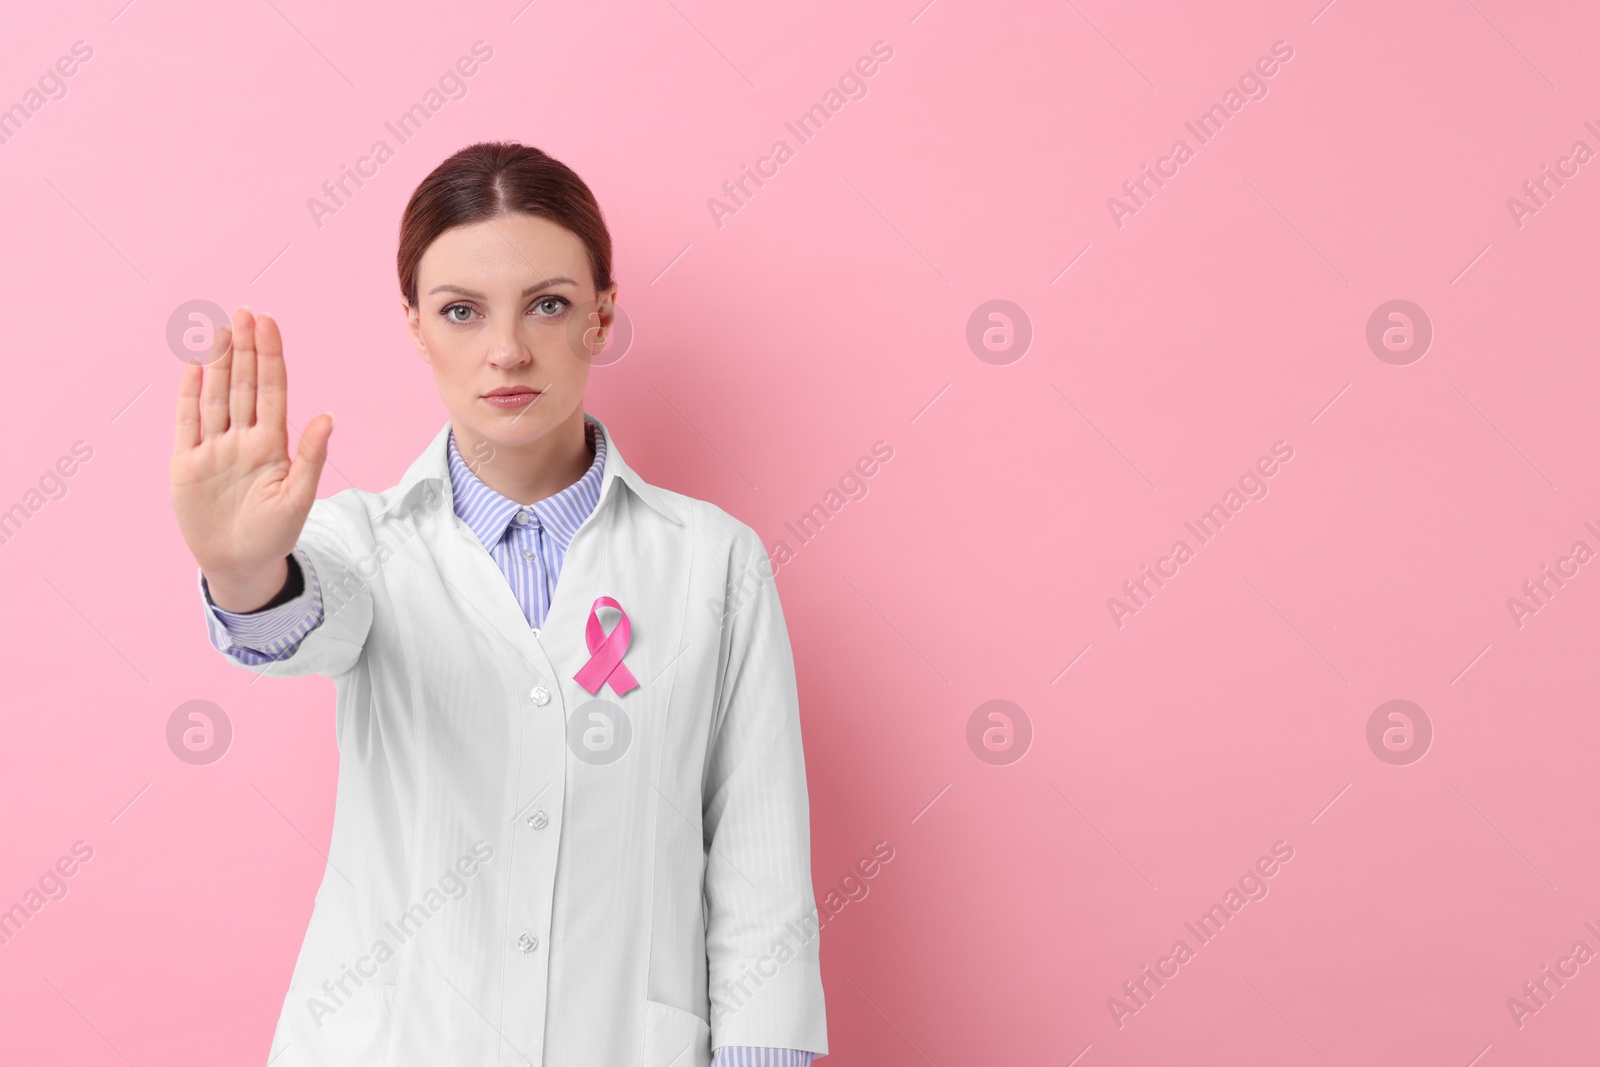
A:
(250, 591)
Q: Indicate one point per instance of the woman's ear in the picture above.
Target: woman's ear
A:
(605, 312)
(414, 324)
(606, 304)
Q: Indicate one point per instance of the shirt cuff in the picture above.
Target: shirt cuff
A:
(258, 637)
(752, 1056)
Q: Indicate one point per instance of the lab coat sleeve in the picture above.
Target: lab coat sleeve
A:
(334, 611)
(762, 930)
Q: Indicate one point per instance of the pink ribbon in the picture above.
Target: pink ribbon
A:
(605, 659)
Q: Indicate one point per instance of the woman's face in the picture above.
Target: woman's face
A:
(509, 302)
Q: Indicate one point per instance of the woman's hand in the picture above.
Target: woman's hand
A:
(240, 502)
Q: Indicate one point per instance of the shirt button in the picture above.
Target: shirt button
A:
(527, 943)
(528, 553)
(540, 695)
(522, 517)
(539, 820)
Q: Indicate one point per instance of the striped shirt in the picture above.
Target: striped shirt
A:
(529, 544)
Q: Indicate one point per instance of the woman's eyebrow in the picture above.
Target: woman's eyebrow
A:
(529, 291)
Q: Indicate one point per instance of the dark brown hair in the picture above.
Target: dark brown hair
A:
(495, 178)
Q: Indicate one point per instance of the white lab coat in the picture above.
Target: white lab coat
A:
(495, 893)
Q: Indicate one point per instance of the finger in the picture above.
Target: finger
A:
(214, 393)
(186, 434)
(186, 429)
(272, 381)
(242, 382)
(309, 457)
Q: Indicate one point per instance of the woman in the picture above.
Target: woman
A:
(571, 825)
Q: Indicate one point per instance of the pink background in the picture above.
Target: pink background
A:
(831, 312)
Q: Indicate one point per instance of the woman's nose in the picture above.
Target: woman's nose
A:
(506, 348)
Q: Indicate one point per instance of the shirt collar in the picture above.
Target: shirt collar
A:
(488, 512)
(429, 477)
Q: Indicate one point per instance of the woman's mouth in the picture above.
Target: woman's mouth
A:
(511, 398)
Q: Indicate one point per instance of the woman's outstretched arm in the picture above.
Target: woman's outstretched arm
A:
(243, 506)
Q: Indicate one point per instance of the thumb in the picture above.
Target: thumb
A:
(306, 469)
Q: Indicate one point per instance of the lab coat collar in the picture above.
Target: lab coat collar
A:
(429, 473)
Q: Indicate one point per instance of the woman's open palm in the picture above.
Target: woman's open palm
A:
(240, 501)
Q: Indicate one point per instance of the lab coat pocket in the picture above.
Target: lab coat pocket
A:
(674, 1037)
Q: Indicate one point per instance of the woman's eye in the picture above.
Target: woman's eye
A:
(458, 313)
(551, 306)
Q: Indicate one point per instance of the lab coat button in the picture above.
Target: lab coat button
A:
(527, 942)
(535, 631)
(540, 695)
(539, 820)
